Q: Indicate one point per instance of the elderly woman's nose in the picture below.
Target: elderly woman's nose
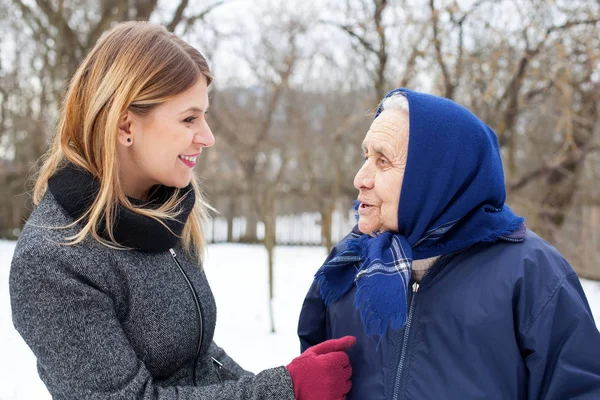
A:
(364, 177)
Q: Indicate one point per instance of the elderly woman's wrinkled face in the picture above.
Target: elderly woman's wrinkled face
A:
(379, 181)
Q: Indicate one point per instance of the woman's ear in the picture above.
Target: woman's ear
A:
(125, 137)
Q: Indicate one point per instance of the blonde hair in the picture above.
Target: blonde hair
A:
(134, 66)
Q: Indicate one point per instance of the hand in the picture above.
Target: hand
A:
(323, 371)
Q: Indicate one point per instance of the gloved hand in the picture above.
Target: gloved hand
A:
(323, 371)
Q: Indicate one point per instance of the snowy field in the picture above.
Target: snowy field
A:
(241, 292)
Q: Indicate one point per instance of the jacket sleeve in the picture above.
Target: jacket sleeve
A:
(312, 327)
(313, 324)
(562, 345)
(69, 322)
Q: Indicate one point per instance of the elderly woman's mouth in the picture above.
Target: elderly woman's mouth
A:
(365, 206)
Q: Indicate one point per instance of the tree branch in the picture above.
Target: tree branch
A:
(178, 16)
(570, 24)
(512, 90)
(382, 55)
(284, 76)
(106, 18)
(559, 162)
(57, 20)
(467, 13)
(348, 29)
(190, 21)
(449, 86)
(29, 15)
(144, 9)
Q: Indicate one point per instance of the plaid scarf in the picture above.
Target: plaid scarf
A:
(381, 268)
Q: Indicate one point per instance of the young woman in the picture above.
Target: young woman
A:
(106, 282)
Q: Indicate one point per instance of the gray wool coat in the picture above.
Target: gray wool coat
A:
(113, 324)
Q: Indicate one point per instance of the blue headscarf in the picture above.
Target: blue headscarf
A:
(452, 197)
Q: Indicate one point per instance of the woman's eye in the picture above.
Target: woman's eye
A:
(383, 161)
(190, 119)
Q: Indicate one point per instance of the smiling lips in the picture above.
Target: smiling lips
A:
(190, 160)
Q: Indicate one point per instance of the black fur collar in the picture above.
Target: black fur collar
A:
(75, 190)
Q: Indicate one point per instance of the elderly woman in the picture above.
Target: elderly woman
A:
(450, 296)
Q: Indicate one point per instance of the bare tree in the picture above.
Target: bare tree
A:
(328, 151)
(290, 121)
(254, 125)
(50, 39)
(530, 75)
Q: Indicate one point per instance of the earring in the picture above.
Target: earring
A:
(128, 140)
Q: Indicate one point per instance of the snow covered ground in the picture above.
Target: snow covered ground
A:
(241, 291)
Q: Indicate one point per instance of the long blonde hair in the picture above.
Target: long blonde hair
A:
(134, 66)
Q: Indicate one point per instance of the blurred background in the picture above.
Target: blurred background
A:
(296, 86)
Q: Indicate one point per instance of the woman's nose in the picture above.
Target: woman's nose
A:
(364, 176)
(204, 136)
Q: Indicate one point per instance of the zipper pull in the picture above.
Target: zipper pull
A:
(172, 253)
(218, 367)
(217, 362)
(415, 287)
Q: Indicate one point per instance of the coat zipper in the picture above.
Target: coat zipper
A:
(415, 289)
(511, 240)
(199, 312)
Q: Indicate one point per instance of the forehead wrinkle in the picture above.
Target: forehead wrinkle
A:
(394, 130)
(381, 146)
(397, 118)
(374, 141)
(394, 121)
(388, 135)
(391, 136)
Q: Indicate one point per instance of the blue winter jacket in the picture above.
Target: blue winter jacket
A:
(504, 320)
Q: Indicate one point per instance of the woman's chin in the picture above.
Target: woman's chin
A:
(183, 185)
(367, 228)
(181, 182)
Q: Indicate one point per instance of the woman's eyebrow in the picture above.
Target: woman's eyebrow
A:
(195, 109)
(375, 148)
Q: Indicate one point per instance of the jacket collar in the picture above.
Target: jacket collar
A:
(75, 190)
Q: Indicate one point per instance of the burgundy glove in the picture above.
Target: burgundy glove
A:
(323, 371)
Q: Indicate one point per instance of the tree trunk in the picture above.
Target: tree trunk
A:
(326, 221)
(559, 190)
(251, 216)
(269, 243)
(231, 213)
(250, 234)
